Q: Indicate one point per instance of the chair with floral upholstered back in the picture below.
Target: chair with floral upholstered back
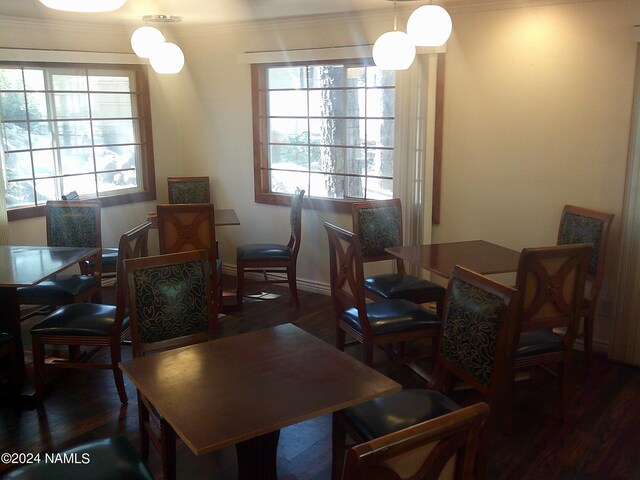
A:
(582, 225)
(70, 224)
(378, 225)
(189, 190)
(170, 306)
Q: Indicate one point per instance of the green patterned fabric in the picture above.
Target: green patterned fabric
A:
(379, 229)
(296, 207)
(471, 329)
(170, 301)
(72, 226)
(190, 192)
(580, 229)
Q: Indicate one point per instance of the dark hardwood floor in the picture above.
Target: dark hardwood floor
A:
(600, 439)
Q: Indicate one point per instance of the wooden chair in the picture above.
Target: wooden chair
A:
(268, 258)
(189, 190)
(70, 224)
(170, 306)
(478, 340)
(551, 285)
(582, 225)
(186, 227)
(442, 448)
(378, 225)
(103, 459)
(384, 322)
(90, 324)
(109, 255)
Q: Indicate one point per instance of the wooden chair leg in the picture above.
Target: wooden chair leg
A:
(293, 285)
(338, 442)
(117, 373)
(168, 445)
(340, 339)
(367, 353)
(240, 283)
(38, 366)
(143, 420)
(588, 338)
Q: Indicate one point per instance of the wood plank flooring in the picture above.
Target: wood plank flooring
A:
(600, 439)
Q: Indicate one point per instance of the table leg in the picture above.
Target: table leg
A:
(10, 323)
(257, 457)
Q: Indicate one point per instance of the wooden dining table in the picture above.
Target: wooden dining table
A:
(223, 217)
(241, 390)
(26, 266)
(478, 255)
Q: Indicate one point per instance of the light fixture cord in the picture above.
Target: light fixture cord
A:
(395, 15)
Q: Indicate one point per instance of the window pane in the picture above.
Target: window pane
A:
(327, 159)
(287, 182)
(380, 102)
(76, 160)
(115, 158)
(380, 189)
(326, 76)
(325, 185)
(106, 132)
(106, 105)
(289, 130)
(43, 163)
(20, 194)
(37, 105)
(327, 103)
(45, 190)
(110, 83)
(356, 76)
(11, 79)
(380, 133)
(71, 105)
(114, 181)
(34, 79)
(331, 131)
(17, 165)
(289, 157)
(69, 82)
(383, 78)
(85, 185)
(41, 135)
(74, 133)
(288, 103)
(287, 77)
(13, 106)
(16, 136)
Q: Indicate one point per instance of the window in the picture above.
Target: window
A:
(325, 127)
(71, 127)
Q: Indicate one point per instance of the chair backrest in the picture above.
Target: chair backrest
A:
(75, 224)
(378, 225)
(479, 332)
(185, 227)
(189, 190)
(583, 225)
(169, 301)
(346, 273)
(442, 448)
(132, 244)
(295, 220)
(551, 284)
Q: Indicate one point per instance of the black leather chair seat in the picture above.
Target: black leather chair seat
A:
(389, 316)
(63, 288)
(263, 251)
(107, 459)
(398, 410)
(395, 285)
(537, 342)
(5, 338)
(80, 319)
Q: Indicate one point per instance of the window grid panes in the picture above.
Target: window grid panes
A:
(69, 128)
(328, 128)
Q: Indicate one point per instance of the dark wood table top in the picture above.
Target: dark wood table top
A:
(478, 255)
(233, 389)
(24, 266)
(224, 217)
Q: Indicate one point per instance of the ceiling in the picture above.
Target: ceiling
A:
(224, 11)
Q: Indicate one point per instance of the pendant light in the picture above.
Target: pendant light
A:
(149, 42)
(429, 26)
(394, 50)
(87, 6)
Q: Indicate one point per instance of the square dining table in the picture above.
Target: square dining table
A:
(241, 390)
(25, 266)
(478, 255)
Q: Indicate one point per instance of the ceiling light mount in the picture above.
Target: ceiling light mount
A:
(162, 18)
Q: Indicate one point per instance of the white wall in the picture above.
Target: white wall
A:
(537, 114)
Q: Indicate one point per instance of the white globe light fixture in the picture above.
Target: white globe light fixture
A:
(429, 26)
(167, 58)
(145, 39)
(87, 6)
(394, 51)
